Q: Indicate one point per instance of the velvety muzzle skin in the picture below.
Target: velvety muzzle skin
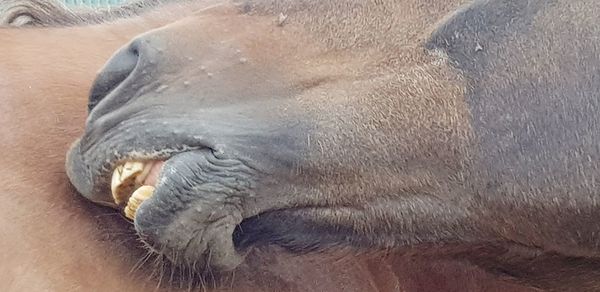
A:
(224, 134)
(197, 205)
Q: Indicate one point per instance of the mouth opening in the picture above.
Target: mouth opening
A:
(133, 182)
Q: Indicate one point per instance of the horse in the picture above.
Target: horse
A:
(319, 126)
(89, 248)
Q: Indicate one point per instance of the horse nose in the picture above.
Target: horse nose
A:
(119, 67)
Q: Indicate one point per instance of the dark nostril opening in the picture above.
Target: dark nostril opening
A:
(118, 68)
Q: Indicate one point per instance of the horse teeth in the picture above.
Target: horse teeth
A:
(139, 180)
(137, 198)
(124, 180)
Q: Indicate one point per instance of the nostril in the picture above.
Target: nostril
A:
(118, 68)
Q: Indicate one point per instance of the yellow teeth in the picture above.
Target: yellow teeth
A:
(136, 199)
(123, 180)
(127, 185)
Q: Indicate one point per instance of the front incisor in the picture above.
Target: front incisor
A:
(137, 198)
(124, 180)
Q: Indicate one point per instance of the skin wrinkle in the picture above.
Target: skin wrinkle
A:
(204, 184)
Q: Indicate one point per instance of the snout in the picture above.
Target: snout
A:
(90, 170)
(118, 68)
(80, 176)
(128, 71)
(224, 121)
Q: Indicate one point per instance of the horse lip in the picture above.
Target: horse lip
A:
(77, 172)
(93, 181)
(84, 180)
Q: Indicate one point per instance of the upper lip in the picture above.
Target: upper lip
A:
(93, 158)
(93, 179)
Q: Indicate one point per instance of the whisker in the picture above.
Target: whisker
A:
(201, 277)
(208, 268)
(141, 262)
(121, 242)
(174, 257)
(190, 277)
(231, 282)
(162, 269)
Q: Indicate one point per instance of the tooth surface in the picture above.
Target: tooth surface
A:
(115, 182)
(139, 180)
(123, 180)
(136, 199)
